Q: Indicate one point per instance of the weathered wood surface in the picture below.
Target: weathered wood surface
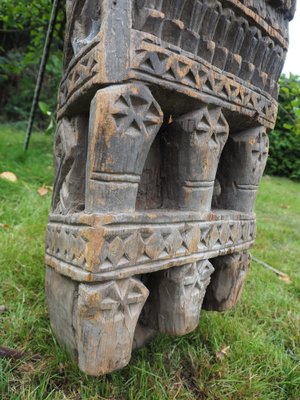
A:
(163, 113)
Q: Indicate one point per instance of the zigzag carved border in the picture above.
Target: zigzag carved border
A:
(151, 57)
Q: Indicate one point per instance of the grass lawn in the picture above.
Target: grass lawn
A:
(263, 331)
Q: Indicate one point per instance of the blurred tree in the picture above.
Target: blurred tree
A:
(284, 159)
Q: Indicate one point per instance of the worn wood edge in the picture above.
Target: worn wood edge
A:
(100, 80)
(151, 217)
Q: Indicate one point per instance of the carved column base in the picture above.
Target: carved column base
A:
(176, 298)
(95, 323)
(227, 281)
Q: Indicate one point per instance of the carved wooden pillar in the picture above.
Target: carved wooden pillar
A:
(105, 318)
(69, 156)
(161, 142)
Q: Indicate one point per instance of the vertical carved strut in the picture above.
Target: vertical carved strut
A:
(179, 296)
(241, 167)
(194, 143)
(124, 120)
(69, 156)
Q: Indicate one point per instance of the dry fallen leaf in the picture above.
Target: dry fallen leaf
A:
(222, 353)
(4, 226)
(3, 309)
(9, 176)
(42, 191)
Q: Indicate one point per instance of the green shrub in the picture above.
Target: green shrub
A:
(20, 94)
(284, 158)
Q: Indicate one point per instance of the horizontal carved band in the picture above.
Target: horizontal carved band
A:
(247, 187)
(107, 248)
(158, 64)
(106, 177)
(198, 184)
(227, 34)
(80, 73)
(202, 17)
(162, 63)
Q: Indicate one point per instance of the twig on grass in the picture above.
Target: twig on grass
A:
(6, 352)
(281, 274)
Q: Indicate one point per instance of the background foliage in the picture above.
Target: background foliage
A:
(284, 159)
(23, 26)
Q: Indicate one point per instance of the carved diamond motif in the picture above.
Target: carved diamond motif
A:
(116, 250)
(173, 242)
(134, 247)
(204, 238)
(214, 236)
(154, 245)
(191, 238)
(224, 234)
(235, 232)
